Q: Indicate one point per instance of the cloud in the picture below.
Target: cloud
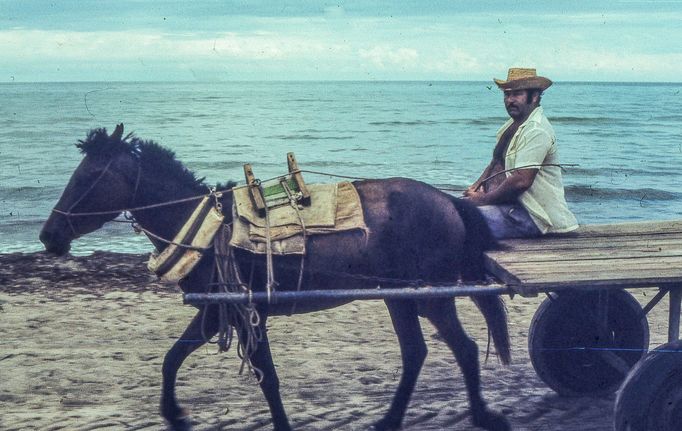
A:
(70, 45)
(338, 44)
(456, 62)
(384, 57)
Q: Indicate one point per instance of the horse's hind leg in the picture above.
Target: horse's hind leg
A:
(444, 317)
(191, 339)
(413, 351)
(261, 360)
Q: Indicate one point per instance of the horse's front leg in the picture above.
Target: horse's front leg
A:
(264, 368)
(193, 338)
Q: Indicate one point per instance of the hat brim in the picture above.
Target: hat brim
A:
(535, 82)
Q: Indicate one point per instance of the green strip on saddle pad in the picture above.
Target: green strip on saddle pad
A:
(277, 188)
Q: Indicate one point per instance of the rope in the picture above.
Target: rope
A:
(294, 204)
(140, 208)
(226, 277)
(335, 175)
(149, 233)
(538, 165)
(270, 282)
(68, 213)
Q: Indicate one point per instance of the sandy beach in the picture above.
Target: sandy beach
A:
(83, 339)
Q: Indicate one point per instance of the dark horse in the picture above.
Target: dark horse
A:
(416, 232)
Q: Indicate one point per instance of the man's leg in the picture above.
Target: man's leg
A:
(509, 221)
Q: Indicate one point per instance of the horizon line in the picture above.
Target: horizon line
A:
(226, 81)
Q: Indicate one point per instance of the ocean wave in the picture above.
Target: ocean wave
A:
(225, 165)
(486, 121)
(210, 98)
(310, 100)
(30, 193)
(345, 150)
(603, 172)
(585, 120)
(582, 192)
(404, 123)
(21, 223)
(335, 164)
(309, 137)
(668, 118)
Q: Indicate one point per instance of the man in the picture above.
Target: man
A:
(521, 193)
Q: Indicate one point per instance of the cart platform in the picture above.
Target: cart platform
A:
(624, 255)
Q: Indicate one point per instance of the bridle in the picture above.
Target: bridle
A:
(69, 212)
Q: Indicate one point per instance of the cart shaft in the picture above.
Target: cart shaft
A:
(284, 297)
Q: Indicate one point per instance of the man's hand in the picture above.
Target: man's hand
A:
(477, 197)
(471, 190)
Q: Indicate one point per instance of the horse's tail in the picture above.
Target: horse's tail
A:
(495, 314)
(478, 239)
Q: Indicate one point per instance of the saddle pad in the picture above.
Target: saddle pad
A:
(334, 208)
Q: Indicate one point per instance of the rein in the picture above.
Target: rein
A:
(68, 212)
(73, 205)
(140, 208)
(538, 165)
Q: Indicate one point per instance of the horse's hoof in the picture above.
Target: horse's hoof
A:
(492, 422)
(385, 425)
(180, 424)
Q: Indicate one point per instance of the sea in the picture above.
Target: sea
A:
(621, 143)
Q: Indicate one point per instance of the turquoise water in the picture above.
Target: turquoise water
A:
(626, 139)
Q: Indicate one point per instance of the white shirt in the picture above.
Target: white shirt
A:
(534, 144)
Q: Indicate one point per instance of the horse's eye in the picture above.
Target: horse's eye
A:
(87, 179)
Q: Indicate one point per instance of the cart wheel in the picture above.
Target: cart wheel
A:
(651, 396)
(575, 354)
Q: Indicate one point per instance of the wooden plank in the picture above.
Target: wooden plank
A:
(497, 269)
(622, 275)
(591, 265)
(596, 242)
(533, 288)
(588, 254)
(591, 247)
(255, 193)
(504, 264)
(597, 279)
(620, 229)
(674, 314)
(298, 178)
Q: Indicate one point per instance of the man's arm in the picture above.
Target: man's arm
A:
(508, 191)
(477, 184)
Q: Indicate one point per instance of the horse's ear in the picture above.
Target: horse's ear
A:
(118, 133)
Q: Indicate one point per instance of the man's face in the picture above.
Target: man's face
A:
(517, 104)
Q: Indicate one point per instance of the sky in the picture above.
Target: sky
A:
(223, 40)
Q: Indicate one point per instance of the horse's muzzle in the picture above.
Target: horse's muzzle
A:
(55, 243)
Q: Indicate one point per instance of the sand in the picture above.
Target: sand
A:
(83, 339)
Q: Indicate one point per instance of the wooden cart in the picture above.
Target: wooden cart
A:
(590, 336)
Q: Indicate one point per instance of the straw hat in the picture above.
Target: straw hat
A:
(523, 79)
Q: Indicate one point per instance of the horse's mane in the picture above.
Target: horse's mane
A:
(151, 155)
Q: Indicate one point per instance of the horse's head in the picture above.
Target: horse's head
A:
(104, 183)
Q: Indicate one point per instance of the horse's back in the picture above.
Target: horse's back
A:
(416, 231)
